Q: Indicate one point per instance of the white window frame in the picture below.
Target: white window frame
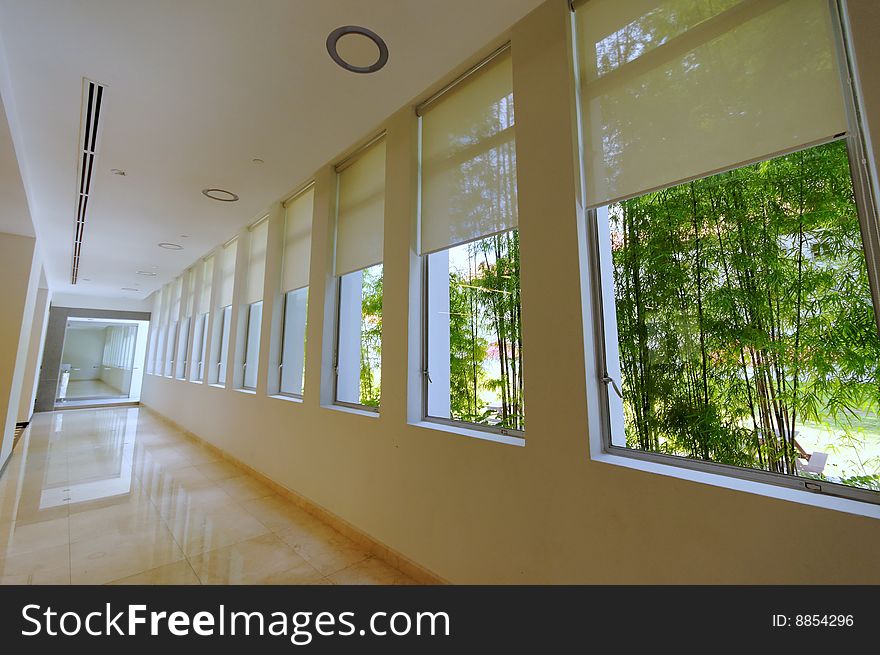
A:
(248, 334)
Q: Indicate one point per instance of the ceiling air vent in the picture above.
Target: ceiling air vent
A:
(93, 94)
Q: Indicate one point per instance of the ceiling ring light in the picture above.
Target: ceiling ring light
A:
(170, 246)
(339, 32)
(220, 194)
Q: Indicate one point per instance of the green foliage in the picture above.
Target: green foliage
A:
(744, 309)
(486, 323)
(371, 336)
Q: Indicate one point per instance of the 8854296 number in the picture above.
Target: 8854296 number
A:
(823, 620)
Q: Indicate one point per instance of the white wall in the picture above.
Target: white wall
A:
(84, 301)
(84, 351)
(478, 511)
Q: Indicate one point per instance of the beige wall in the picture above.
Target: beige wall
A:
(476, 511)
(20, 274)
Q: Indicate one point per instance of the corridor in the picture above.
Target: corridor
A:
(97, 496)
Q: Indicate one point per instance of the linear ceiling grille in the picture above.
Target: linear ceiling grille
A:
(93, 94)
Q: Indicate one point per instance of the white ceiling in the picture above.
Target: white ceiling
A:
(196, 90)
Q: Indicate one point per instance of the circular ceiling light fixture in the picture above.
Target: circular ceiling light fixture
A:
(129, 289)
(117, 171)
(147, 273)
(220, 194)
(171, 246)
(355, 42)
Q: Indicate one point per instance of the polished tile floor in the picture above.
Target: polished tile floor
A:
(114, 495)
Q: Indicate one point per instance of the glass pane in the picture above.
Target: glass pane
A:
(182, 342)
(359, 358)
(474, 333)
(224, 345)
(294, 347)
(252, 348)
(746, 331)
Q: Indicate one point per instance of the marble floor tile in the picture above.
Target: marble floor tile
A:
(115, 495)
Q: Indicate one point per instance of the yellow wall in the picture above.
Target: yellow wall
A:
(476, 511)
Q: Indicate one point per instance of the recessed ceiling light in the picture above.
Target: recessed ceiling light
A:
(357, 48)
(257, 160)
(85, 279)
(147, 273)
(220, 194)
(171, 246)
(117, 171)
(129, 289)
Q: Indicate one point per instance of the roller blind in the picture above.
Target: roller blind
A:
(257, 261)
(361, 216)
(297, 241)
(469, 160)
(207, 285)
(227, 274)
(680, 89)
(190, 294)
(176, 291)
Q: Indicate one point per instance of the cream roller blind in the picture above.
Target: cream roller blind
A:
(176, 294)
(227, 273)
(190, 292)
(469, 160)
(257, 261)
(679, 89)
(207, 285)
(297, 241)
(361, 215)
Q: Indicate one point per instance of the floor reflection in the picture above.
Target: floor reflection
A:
(107, 495)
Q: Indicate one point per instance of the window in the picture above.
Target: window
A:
(472, 327)
(294, 285)
(188, 307)
(223, 353)
(359, 241)
(171, 349)
(182, 342)
(203, 309)
(170, 343)
(739, 325)
(226, 285)
(252, 345)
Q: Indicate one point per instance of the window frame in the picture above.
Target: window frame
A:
(281, 349)
(336, 334)
(223, 333)
(869, 221)
(246, 344)
(424, 373)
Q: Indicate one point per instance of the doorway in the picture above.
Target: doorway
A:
(101, 362)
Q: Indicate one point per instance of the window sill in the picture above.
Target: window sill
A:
(250, 392)
(290, 399)
(470, 432)
(800, 496)
(196, 381)
(217, 385)
(352, 410)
